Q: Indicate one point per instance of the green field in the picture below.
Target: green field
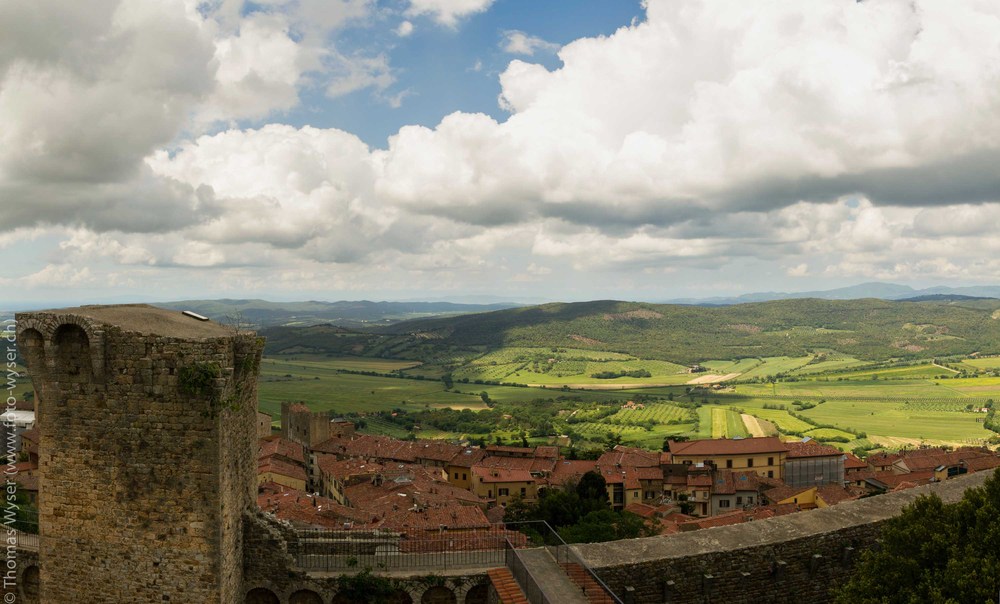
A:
(727, 423)
(896, 420)
(983, 363)
(909, 372)
(324, 388)
(548, 366)
(776, 365)
(897, 405)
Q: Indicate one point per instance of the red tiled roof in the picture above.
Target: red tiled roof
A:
(852, 462)
(779, 494)
(833, 494)
(891, 479)
(629, 456)
(342, 469)
(978, 464)
(32, 435)
(331, 446)
(490, 475)
(641, 509)
(274, 465)
(282, 447)
(467, 457)
(300, 508)
(727, 446)
(566, 470)
(798, 449)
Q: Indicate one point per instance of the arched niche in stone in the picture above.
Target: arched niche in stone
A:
(261, 595)
(305, 596)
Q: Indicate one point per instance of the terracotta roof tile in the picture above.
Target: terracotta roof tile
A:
(727, 446)
(275, 465)
(798, 449)
(281, 447)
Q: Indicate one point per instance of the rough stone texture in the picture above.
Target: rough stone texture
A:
(22, 581)
(804, 554)
(269, 553)
(144, 483)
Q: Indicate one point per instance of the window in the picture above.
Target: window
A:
(456, 475)
(739, 500)
(524, 492)
(729, 463)
(770, 461)
(770, 473)
(723, 503)
(489, 494)
(635, 494)
(464, 476)
(750, 462)
(749, 498)
(503, 492)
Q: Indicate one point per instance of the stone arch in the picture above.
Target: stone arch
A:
(478, 594)
(261, 595)
(399, 597)
(438, 595)
(32, 345)
(73, 363)
(30, 585)
(305, 596)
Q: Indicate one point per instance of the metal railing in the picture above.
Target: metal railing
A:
(446, 548)
(540, 533)
(523, 577)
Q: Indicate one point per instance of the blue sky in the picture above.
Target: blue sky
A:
(407, 149)
(441, 70)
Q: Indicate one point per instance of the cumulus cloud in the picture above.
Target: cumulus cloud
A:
(448, 12)
(834, 138)
(519, 43)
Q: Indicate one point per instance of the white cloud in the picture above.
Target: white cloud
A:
(352, 73)
(448, 12)
(799, 270)
(405, 29)
(260, 69)
(861, 137)
(519, 43)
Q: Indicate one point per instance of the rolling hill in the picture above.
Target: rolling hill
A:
(868, 329)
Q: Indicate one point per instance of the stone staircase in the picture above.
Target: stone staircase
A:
(593, 592)
(506, 587)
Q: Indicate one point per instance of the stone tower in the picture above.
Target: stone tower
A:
(147, 447)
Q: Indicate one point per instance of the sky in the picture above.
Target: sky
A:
(524, 149)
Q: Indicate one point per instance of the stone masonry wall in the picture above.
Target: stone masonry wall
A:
(795, 557)
(144, 480)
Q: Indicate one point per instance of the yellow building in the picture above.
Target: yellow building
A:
(499, 486)
(804, 497)
(275, 470)
(766, 455)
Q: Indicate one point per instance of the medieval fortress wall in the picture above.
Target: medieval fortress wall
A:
(147, 453)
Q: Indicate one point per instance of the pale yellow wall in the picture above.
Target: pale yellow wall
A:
(288, 481)
(742, 462)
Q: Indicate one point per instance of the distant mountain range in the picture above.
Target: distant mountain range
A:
(878, 290)
(262, 313)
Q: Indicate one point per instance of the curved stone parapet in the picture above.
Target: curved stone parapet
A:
(798, 556)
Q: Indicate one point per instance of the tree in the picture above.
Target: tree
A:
(934, 552)
(593, 491)
(605, 525)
